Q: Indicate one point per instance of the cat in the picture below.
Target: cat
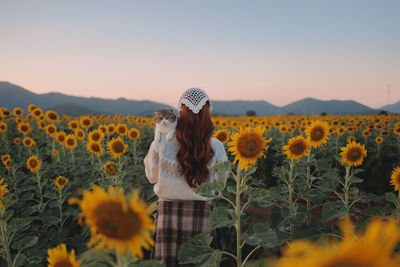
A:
(165, 124)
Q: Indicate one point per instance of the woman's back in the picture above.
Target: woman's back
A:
(163, 169)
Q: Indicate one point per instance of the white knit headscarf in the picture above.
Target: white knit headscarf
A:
(194, 99)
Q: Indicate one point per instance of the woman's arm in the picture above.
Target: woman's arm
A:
(151, 163)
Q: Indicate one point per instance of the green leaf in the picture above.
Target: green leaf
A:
(356, 180)
(97, 256)
(221, 217)
(199, 252)
(17, 224)
(357, 171)
(260, 234)
(250, 171)
(208, 189)
(331, 211)
(390, 196)
(20, 260)
(148, 263)
(223, 166)
(25, 242)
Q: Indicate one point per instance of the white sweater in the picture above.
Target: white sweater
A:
(162, 169)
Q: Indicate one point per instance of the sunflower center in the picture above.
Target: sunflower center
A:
(317, 134)
(133, 134)
(95, 147)
(249, 145)
(96, 137)
(86, 122)
(61, 138)
(122, 130)
(70, 142)
(24, 128)
(354, 154)
(33, 163)
(115, 222)
(222, 136)
(63, 263)
(51, 130)
(298, 148)
(118, 147)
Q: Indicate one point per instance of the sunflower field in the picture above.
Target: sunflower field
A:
(302, 191)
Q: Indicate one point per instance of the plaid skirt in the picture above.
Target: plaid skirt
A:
(176, 223)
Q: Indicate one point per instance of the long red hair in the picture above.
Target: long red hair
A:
(193, 133)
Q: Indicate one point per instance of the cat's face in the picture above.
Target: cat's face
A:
(164, 116)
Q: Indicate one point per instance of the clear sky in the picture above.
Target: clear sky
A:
(277, 51)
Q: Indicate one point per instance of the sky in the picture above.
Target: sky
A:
(276, 51)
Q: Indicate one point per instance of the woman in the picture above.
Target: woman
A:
(179, 165)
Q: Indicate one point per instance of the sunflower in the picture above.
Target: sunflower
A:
(317, 133)
(60, 137)
(3, 188)
(379, 139)
(110, 168)
(51, 116)
(95, 136)
(31, 107)
(396, 130)
(37, 113)
(366, 133)
(133, 134)
(80, 134)
(117, 147)
(297, 147)
(73, 125)
(41, 124)
(95, 148)
(59, 257)
(248, 145)
(5, 157)
(33, 163)
(6, 113)
(122, 129)
(61, 182)
(395, 178)
(54, 152)
(18, 112)
(283, 128)
(341, 130)
(8, 163)
(350, 139)
(111, 128)
(222, 135)
(373, 248)
(86, 122)
(116, 223)
(70, 141)
(51, 129)
(3, 127)
(17, 141)
(353, 154)
(24, 128)
(102, 128)
(28, 142)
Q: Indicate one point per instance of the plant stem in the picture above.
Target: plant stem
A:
(291, 189)
(346, 190)
(238, 226)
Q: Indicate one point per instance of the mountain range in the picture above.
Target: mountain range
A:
(12, 96)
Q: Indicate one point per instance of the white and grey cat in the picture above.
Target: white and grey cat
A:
(165, 124)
